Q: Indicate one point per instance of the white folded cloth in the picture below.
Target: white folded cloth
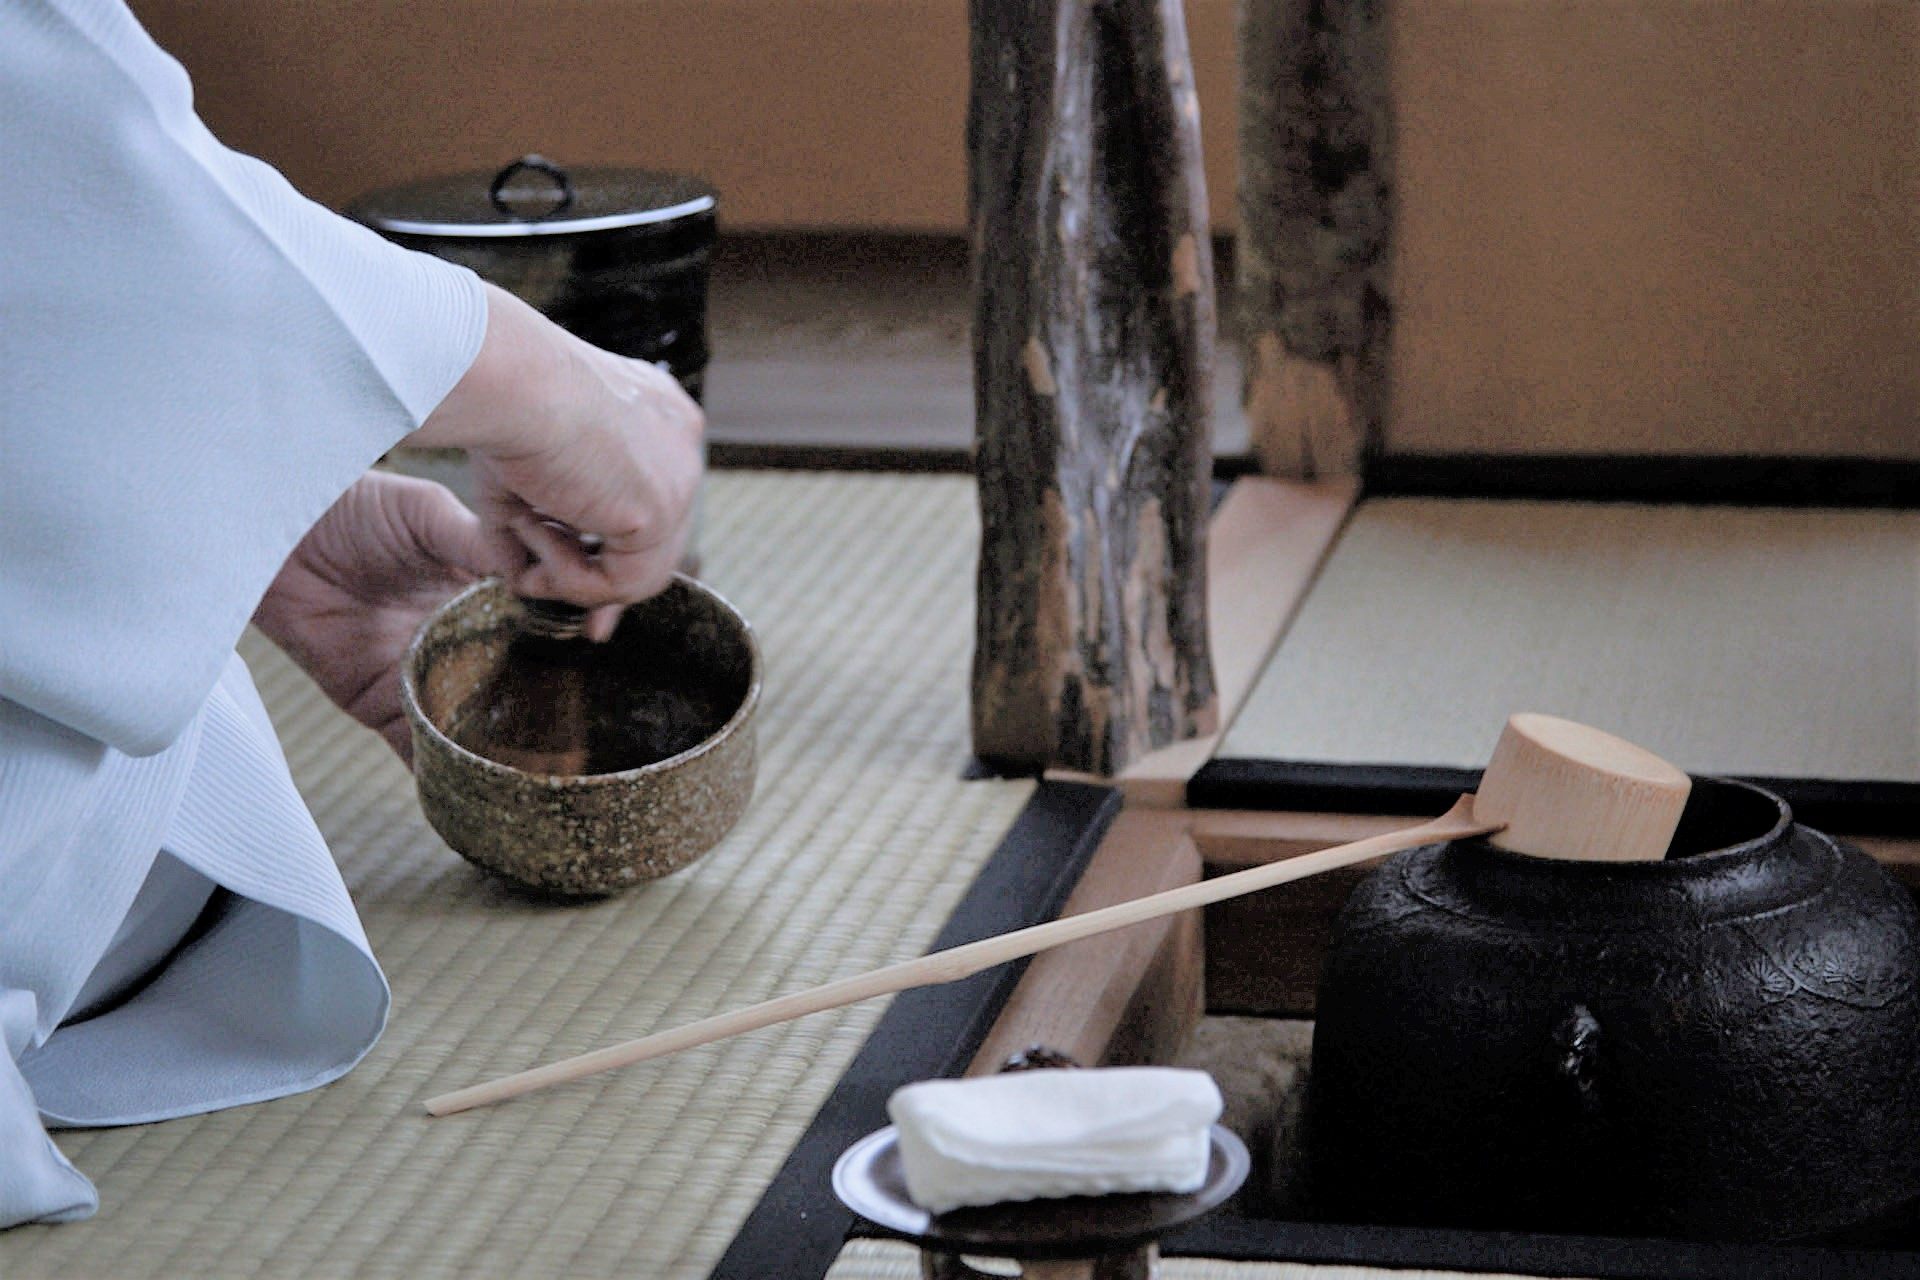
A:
(1031, 1135)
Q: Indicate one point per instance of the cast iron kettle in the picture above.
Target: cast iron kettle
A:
(1718, 1046)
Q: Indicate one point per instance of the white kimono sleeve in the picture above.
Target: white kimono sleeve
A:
(194, 363)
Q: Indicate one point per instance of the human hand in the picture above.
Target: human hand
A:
(350, 597)
(569, 442)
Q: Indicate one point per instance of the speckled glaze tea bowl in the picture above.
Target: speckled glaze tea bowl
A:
(1723, 1045)
(586, 833)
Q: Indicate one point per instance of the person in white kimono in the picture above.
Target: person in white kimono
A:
(197, 368)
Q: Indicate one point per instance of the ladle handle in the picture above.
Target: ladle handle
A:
(963, 961)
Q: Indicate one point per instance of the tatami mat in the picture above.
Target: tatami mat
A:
(860, 839)
(1739, 641)
(890, 1260)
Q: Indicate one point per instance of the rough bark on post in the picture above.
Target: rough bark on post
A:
(1093, 349)
(1315, 216)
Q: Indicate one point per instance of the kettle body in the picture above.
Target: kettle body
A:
(1721, 1045)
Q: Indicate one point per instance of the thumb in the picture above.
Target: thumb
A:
(443, 530)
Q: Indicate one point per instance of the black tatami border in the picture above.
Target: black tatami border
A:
(1839, 807)
(1715, 481)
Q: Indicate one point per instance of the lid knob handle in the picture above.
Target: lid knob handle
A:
(560, 193)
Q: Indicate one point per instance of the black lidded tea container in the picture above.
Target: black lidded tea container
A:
(1724, 1045)
(619, 257)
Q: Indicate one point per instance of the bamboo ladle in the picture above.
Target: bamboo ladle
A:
(1553, 789)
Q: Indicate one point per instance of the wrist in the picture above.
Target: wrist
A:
(505, 404)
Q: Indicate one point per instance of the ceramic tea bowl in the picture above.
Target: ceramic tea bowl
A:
(589, 832)
(1720, 1045)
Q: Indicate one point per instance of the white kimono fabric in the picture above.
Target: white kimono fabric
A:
(194, 363)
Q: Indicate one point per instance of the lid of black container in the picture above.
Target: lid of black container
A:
(534, 197)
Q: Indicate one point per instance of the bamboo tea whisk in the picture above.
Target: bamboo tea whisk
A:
(533, 714)
(1553, 789)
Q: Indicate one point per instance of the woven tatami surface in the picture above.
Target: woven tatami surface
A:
(1762, 642)
(890, 1260)
(860, 839)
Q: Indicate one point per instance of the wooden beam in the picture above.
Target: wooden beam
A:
(1315, 220)
(1901, 857)
(1236, 839)
(1093, 365)
(1266, 545)
(1126, 997)
(1264, 950)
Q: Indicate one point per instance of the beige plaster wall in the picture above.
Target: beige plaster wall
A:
(805, 113)
(1623, 225)
(1657, 226)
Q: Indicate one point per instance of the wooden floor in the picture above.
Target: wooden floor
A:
(858, 342)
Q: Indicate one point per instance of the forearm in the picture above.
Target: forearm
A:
(517, 393)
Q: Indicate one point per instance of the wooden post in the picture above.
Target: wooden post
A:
(1314, 256)
(1093, 345)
